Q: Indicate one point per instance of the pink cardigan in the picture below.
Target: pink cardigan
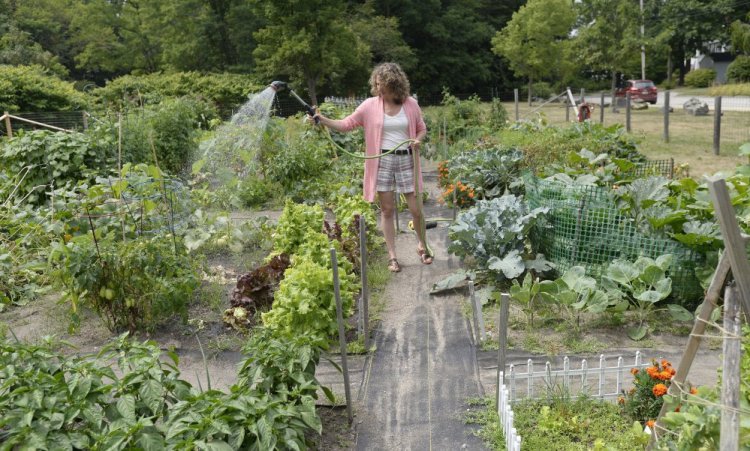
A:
(370, 116)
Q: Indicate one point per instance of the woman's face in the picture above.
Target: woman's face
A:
(384, 92)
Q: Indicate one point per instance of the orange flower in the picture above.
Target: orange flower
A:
(634, 371)
(620, 400)
(678, 408)
(659, 390)
(653, 372)
(665, 363)
(664, 375)
(650, 423)
(471, 195)
(693, 391)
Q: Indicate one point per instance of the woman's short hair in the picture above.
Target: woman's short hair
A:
(392, 77)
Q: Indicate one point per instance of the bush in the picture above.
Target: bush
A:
(171, 127)
(224, 91)
(31, 88)
(42, 157)
(739, 70)
(542, 89)
(132, 285)
(700, 78)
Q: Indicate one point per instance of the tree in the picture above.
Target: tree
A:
(309, 42)
(534, 40)
(608, 36)
(383, 36)
(685, 26)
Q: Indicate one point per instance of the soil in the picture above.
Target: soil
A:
(222, 346)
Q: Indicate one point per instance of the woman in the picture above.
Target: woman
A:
(389, 118)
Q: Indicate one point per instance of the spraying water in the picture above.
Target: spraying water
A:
(233, 150)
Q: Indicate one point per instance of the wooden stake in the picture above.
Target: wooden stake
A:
(730, 377)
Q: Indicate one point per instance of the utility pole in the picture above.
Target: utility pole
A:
(643, 46)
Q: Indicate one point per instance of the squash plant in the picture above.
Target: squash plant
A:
(643, 283)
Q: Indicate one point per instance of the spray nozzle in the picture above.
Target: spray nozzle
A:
(278, 86)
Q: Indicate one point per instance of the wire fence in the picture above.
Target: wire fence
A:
(692, 121)
(584, 227)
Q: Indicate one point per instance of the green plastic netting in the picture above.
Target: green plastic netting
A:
(584, 227)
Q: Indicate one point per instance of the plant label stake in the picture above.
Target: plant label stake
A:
(342, 337)
(363, 272)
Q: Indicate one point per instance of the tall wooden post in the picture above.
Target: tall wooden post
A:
(717, 125)
(8, 128)
(342, 336)
(601, 109)
(666, 116)
(627, 112)
(730, 378)
(515, 96)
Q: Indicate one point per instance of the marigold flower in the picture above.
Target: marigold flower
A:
(471, 195)
(664, 375)
(665, 363)
(678, 408)
(659, 390)
(693, 391)
(620, 400)
(650, 423)
(653, 372)
(634, 371)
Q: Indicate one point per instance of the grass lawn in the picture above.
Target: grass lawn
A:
(690, 137)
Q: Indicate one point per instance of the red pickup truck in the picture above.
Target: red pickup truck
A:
(644, 90)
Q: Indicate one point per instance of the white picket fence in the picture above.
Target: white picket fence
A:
(545, 383)
(608, 380)
(505, 412)
(345, 102)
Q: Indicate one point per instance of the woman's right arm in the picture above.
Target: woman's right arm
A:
(354, 120)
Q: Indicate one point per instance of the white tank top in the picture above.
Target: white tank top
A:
(395, 131)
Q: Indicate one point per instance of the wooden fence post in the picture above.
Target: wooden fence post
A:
(627, 112)
(666, 116)
(730, 378)
(717, 125)
(8, 128)
(85, 120)
(601, 109)
(515, 96)
(502, 337)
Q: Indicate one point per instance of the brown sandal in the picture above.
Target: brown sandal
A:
(393, 265)
(426, 259)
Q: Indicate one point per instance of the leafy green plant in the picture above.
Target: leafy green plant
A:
(574, 292)
(131, 397)
(294, 223)
(305, 301)
(489, 173)
(131, 284)
(642, 284)
(494, 234)
(44, 159)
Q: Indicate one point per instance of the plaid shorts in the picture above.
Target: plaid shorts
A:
(396, 173)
